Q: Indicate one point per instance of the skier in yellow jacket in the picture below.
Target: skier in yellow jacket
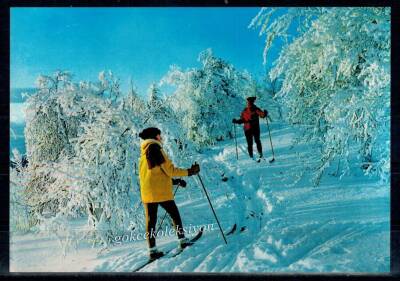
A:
(156, 172)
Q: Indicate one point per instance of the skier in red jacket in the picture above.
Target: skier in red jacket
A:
(251, 125)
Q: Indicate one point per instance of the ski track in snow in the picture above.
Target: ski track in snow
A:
(291, 226)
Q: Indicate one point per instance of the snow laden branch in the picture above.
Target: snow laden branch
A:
(207, 98)
(336, 84)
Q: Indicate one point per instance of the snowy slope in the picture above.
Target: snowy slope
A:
(289, 225)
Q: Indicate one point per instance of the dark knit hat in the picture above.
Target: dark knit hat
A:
(251, 99)
(149, 133)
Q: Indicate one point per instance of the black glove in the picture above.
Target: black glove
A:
(234, 121)
(265, 112)
(182, 183)
(179, 182)
(194, 170)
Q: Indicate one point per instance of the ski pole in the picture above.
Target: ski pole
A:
(209, 201)
(237, 155)
(162, 221)
(270, 140)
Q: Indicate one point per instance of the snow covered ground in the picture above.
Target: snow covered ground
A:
(288, 225)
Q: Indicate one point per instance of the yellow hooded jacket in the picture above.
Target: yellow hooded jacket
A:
(156, 183)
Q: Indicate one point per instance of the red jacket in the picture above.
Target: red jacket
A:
(250, 117)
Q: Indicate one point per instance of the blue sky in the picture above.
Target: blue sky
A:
(137, 43)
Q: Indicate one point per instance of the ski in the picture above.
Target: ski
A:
(259, 160)
(150, 261)
(191, 242)
(233, 229)
(194, 239)
(263, 159)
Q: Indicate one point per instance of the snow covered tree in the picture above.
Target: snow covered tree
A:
(106, 157)
(206, 99)
(48, 135)
(154, 95)
(132, 103)
(20, 217)
(336, 81)
(157, 108)
(45, 115)
(81, 155)
(109, 85)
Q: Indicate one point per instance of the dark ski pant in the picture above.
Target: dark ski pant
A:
(250, 134)
(150, 210)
